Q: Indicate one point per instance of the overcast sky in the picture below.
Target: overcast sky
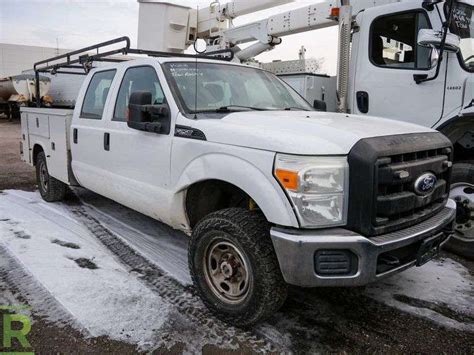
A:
(79, 23)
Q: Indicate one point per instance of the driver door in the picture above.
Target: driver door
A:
(388, 57)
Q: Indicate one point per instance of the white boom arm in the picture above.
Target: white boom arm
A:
(165, 26)
(268, 32)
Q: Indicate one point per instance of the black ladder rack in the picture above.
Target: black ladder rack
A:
(83, 59)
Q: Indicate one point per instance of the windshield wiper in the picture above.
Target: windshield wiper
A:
(229, 108)
(295, 108)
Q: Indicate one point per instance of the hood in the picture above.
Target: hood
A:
(297, 132)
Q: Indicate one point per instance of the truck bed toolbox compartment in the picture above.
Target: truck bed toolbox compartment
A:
(49, 128)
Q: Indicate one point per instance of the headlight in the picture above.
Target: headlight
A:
(317, 186)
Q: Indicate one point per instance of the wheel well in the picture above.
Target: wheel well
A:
(457, 130)
(36, 150)
(210, 196)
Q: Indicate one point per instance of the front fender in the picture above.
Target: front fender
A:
(251, 172)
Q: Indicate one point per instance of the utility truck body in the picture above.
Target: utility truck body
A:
(270, 191)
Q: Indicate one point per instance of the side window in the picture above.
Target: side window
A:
(394, 41)
(96, 95)
(137, 79)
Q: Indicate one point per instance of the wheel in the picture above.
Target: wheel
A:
(462, 192)
(51, 189)
(234, 267)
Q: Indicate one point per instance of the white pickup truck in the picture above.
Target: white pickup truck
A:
(270, 191)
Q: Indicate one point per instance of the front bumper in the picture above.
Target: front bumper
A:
(339, 257)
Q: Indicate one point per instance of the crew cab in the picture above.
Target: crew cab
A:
(270, 191)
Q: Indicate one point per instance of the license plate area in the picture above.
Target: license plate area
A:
(429, 249)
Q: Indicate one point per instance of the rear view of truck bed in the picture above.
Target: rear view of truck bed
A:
(47, 130)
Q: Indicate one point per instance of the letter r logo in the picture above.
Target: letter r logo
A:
(20, 335)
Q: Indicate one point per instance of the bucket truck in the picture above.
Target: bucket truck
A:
(410, 60)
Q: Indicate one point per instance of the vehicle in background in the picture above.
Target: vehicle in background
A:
(270, 191)
(19, 90)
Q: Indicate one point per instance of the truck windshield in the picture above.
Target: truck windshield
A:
(225, 88)
(463, 26)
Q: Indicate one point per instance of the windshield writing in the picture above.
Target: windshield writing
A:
(463, 26)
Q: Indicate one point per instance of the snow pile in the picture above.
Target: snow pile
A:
(79, 272)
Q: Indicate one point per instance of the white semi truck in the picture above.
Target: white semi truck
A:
(270, 191)
(407, 60)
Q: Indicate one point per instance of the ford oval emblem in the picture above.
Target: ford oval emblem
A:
(425, 184)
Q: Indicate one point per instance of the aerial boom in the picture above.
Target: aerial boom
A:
(165, 26)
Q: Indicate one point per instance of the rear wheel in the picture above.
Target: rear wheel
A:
(51, 189)
(462, 192)
(234, 267)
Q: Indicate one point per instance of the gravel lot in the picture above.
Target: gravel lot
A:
(421, 311)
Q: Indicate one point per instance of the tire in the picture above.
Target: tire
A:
(462, 191)
(51, 189)
(245, 237)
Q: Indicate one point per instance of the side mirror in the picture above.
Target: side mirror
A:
(432, 39)
(144, 116)
(320, 105)
(430, 4)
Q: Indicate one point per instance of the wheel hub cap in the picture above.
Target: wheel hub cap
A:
(226, 272)
(44, 176)
(463, 195)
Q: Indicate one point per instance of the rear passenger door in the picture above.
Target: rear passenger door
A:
(87, 131)
(138, 162)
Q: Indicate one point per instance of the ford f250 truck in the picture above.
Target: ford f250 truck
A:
(270, 191)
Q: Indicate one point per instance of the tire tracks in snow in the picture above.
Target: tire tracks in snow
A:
(183, 298)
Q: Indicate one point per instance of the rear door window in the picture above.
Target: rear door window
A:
(96, 95)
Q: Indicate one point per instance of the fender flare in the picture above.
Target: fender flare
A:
(264, 190)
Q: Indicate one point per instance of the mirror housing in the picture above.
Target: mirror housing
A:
(432, 39)
(144, 116)
(430, 4)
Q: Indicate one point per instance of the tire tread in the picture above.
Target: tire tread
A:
(253, 231)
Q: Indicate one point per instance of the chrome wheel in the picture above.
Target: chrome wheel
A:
(226, 271)
(43, 176)
(463, 194)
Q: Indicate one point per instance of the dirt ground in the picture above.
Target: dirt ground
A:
(14, 174)
(345, 321)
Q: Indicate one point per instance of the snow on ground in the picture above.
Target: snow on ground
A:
(82, 275)
(157, 242)
(108, 299)
(442, 290)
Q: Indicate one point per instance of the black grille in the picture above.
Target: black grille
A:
(383, 172)
(397, 202)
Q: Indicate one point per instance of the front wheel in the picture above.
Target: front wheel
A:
(51, 189)
(462, 192)
(234, 267)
